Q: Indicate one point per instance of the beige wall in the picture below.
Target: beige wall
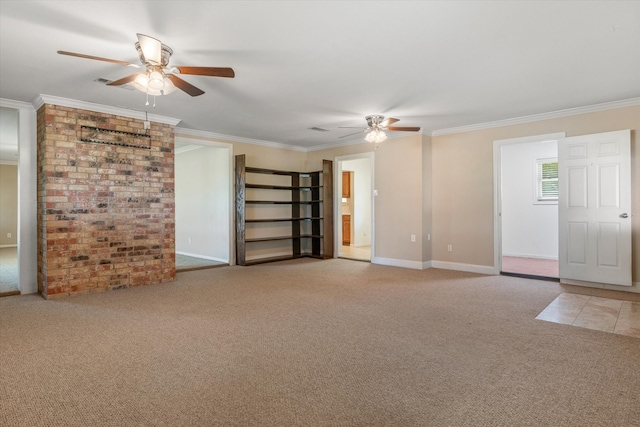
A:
(443, 185)
(8, 205)
(463, 182)
(398, 177)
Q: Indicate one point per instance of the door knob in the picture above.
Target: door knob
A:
(624, 215)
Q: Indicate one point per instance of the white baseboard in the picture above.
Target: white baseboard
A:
(416, 265)
(201, 256)
(423, 265)
(8, 246)
(553, 258)
(470, 268)
(635, 286)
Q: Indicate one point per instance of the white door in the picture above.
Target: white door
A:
(594, 177)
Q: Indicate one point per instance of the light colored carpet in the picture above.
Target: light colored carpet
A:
(9, 270)
(313, 343)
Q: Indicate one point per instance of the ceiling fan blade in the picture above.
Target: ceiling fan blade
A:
(183, 85)
(344, 136)
(151, 48)
(123, 80)
(207, 71)
(386, 122)
(97, 58)
(404, 128)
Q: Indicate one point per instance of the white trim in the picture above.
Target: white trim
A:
(552, 258)
(42, 99)
(27, 167)
(361, 140)
(10, 103)
(206, 134)
(347, 143)
(403, 263)
(8, 162)
(8, 246)
(497, 188)
(470, 268)
(635, 286)
(201, 256)
(543, 116)
(187, 148)
(337, 197)
(197, 143)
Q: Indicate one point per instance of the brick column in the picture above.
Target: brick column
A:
(106, 213)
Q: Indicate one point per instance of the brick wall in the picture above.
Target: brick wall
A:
(106, 211)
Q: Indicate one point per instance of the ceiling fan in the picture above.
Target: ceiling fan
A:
(376, 125)
(158, 78)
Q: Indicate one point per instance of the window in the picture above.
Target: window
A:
(546, 181)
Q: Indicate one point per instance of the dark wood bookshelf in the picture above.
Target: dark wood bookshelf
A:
(311, 220)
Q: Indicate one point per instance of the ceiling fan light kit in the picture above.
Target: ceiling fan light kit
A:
(376, 126)
(153, 83)
(376, 136)
(158, 78)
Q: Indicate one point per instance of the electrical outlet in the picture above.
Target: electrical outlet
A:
(8, 235)
(413, 237)
(189, 240)
(450, 248)
(429, 236)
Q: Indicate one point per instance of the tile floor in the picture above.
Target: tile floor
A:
(360, 253)
(532, 266)
(602, 314)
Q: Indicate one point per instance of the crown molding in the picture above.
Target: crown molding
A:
(18, 105)
(188, 148)
(219, 136)
(632, 102)
(41, 99)
(361, 140)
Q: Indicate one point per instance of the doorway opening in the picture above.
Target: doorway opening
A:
(9, 269)
(203, 205)
(527, 207)
(354, 205)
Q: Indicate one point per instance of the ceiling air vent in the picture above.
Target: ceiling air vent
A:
(319, 129)
(104, 81)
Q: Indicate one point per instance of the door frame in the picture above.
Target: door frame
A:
(231, 181)
(27, 206)
(497, 188)
(337, 200)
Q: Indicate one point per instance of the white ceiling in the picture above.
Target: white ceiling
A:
(433, 64)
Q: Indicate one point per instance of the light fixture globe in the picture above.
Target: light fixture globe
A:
(156, 80)
(154, 83)
(376, 135)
